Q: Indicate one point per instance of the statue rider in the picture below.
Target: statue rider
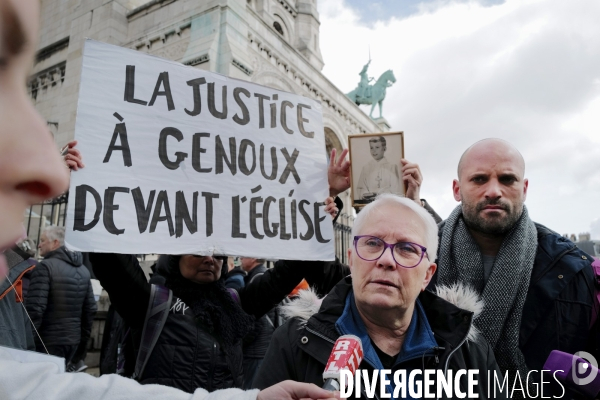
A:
(363, 87)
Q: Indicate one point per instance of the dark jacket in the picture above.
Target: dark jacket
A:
(15, 328)
(186, 356)
(300, 349)
(558, 307)
(116, 346)
(257, 342)
(61, 301)
(557, 310)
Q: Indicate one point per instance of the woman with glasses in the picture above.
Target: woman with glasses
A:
(384, 303)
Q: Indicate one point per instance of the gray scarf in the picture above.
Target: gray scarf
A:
(504, 294)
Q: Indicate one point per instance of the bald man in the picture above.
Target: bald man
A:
(536, 285)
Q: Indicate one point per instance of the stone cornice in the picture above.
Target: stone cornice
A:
(242, 67)
(201, 59)
(51, 49)
(288, 7)
(50, 76)
(160, 34)
(148, 7)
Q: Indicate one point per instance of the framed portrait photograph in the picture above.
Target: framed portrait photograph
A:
(375, 165)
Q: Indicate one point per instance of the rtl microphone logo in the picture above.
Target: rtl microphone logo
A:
(347, 354)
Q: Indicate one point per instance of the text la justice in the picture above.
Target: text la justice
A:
(241, 96)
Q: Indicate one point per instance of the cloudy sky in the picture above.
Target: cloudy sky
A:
(527, 71)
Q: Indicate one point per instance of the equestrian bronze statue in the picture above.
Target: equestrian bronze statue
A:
(373, 94)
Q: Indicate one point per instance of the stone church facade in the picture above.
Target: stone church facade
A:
(270, 42)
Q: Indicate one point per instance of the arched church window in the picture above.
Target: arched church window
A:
(331, 141)
(278, 28)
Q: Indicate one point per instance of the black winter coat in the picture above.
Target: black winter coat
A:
(300, 349)
(186, 356)
(60, 300)
(257, 341)
(558, 308)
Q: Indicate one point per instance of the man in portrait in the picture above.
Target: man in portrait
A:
(379, 175)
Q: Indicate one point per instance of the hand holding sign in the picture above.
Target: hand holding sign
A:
(331, 207)
(338, 173)
(413, 178)
(72, 156)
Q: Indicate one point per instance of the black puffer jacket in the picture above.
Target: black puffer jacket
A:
(300, 348)
(60, 300)
(186, 356)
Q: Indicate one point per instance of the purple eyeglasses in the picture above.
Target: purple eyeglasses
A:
(405, 254)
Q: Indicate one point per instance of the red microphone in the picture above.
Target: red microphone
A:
(347, 354)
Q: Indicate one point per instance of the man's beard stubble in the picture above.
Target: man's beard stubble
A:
(491, 225)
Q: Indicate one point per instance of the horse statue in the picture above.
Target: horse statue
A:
(372, 94)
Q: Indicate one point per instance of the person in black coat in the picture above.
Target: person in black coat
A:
(257, 342)
(384, 303)
(60, 300)
(201, 342)
(301, 347)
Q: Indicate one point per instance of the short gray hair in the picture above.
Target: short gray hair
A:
(431, 228)
(54, 232)
(379, 139)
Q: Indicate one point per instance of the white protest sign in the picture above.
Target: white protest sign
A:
(184, 161)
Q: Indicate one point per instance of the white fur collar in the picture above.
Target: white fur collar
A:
(465, 297)
(308, 303)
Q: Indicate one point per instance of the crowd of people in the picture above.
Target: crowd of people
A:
(485, 289)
